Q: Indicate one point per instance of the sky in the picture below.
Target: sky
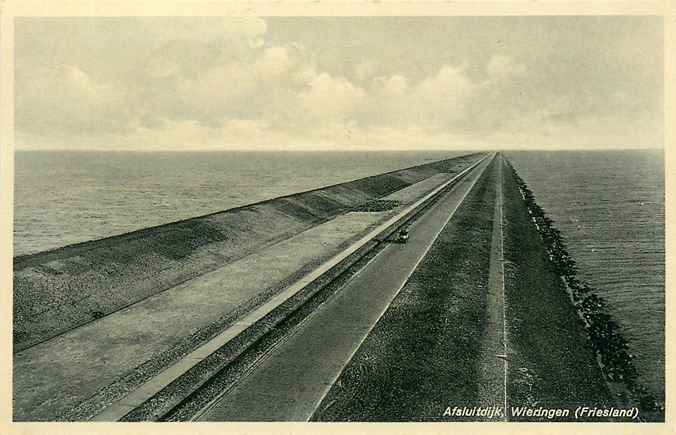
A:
(338, 83)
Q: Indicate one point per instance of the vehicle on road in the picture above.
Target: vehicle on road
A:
(403, 235)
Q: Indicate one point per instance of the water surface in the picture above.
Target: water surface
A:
(62, 198)
(610, 208)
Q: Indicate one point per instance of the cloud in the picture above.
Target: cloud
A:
(210, 81)
(177, 69)
(274, 63)
(441, 99)
(221, 92)
(67, 100)
(393, 86)
(365, 70)
(328, 97)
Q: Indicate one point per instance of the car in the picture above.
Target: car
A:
(403, 235)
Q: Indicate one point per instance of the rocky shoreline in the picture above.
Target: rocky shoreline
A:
(611, 348)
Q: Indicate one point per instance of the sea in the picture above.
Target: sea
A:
(610, 208)
(608, 205)
(62, 198)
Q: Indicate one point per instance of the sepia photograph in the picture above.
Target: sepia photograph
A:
(365, 218)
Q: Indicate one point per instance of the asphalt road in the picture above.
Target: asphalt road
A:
(289, 383)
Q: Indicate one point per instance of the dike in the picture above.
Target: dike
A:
(61, 289)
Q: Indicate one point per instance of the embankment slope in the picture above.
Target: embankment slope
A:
(58, 290)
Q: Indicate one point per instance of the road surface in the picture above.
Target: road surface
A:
(291, 381)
